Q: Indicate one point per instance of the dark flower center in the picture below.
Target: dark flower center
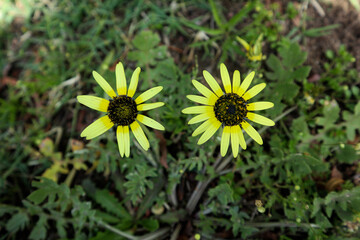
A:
(122, 110)
(230, 109)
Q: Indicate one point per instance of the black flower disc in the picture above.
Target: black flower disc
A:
(230, 109)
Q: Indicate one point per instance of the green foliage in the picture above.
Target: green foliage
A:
(351, 122)
(52, 202)
(147, 50)
(286, 71)
(17, 222)
(338, 70)
(301, 183)
(111, 204)
(138, 181)
(345, 205)
(223, 193)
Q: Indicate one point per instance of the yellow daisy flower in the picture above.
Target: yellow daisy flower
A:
(230, 110)
(122, 110)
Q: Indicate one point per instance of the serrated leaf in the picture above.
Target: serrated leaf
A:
(292, 55)
(60, 227)
(48, 189)
(149, 224)
(38, 196)
(138, 181)
(316, 206)
(352, 122)
(111, 203)
(146, 40)
(279, 73)
(39, 231)
(301, 73)
(331, 114)
(347, 154)
(106, 217)
(17, 222)
(223, 193)
(300, 164)
(322, 221)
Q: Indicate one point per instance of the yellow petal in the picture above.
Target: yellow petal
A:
(97, 128)
(236, 81)
(198, 109)
(202, 127)
(148, 94)
(214, 126)
(242, 140)
(140, 135)
(225, 140)
(120, 79)
(246, 83)
(206, 92)
(104, 84)
(126, 140)
(201, 117)
(256, 106)
(120, 140)
(134, 82)
(252, 132)
(243, 42)
(225, 77)
(260, 119)
(198, 99)
(93, 102)
(149, 106)
(149, 122)
(254, 91)
(235, 139)
(212, 83)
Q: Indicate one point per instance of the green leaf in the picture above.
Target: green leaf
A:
(111, 203)
(219, 19)
(322, 221)
(146, 40)
(301, 73)
(347, 154)
(207, 30)
(292, 55)
(39, 231)
(60, 227)
(48, 188)
(249, 6)
(38, 196)
(138, 181)
(352, 122)
(17, 222)
(316, 206)
(149, 224)
(298, 165)
(331, 113)
(223, 193)
(320, 31)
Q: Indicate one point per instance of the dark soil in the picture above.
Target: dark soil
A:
(348, 33)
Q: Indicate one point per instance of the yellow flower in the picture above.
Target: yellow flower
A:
(253, 53)
(230, 110)
(122, 110)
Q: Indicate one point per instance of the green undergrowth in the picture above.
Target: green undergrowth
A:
(303, 182)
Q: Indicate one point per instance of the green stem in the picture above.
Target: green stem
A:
(117, 231)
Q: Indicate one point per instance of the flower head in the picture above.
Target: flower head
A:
(122, 110)
(253, 53)
(231, 110)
